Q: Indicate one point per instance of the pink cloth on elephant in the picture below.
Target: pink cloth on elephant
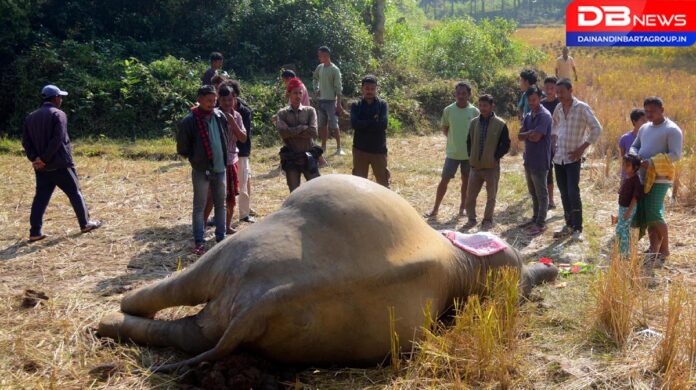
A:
(479, 244)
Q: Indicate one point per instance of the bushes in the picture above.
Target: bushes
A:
(422, 61)
(122, 98)
(293, 30)
(265, 99)
(90, 48)
(107, 97)
(128, 79)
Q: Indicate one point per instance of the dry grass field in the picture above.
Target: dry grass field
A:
(600, 329)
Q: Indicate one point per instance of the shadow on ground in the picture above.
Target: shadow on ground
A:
(161, 250)
(24, 247)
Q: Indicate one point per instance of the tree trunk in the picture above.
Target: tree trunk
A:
(378, 19)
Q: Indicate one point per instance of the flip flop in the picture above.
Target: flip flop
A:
(199, 250)
(37, 238)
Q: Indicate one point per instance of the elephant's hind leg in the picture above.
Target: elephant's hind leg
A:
(183, 334)
(185, 289)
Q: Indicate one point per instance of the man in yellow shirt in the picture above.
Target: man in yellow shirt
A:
(564, 65)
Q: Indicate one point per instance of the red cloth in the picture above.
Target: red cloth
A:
(479, 244)
(294, 83)
(232, 172)
(200, 115)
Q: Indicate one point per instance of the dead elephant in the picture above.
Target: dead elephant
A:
(312, 282)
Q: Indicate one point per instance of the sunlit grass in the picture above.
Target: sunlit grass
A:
(480, 348)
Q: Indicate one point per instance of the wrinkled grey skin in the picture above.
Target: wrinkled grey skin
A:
(312, 282)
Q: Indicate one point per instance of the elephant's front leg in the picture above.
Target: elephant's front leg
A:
(184, 333)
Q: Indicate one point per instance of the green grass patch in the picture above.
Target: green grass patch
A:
(158, 149)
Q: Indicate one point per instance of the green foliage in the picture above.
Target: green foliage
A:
(117, 98)
(292, 32)
(528, 12)
(436, 95)
(265, 99)
(464, 49)
(505, 90)
(132, 68)
(422, 61)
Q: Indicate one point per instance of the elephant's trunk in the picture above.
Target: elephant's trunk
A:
(536, 274)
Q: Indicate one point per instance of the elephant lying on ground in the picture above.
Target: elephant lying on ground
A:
(312, 282)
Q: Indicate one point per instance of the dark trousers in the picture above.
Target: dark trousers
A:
(477, 178)
(292, 176)
(46, 182)
(568, 182)
(363, 160)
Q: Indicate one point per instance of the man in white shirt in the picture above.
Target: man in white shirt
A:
(564, 65)
(575, 128)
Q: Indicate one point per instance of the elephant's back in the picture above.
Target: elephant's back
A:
(346, 204)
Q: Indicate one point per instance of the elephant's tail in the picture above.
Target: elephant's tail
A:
(536, 274)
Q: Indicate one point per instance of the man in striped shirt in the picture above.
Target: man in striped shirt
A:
(576, 128)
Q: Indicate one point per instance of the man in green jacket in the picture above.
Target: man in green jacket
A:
(488, 142)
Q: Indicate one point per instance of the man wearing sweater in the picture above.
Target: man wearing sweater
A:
(327, 89)
(659, 136)
(47, 146)
(370, 117)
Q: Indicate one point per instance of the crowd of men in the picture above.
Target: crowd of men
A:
(556, 127)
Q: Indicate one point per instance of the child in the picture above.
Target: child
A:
(631, 189)
(637, 119)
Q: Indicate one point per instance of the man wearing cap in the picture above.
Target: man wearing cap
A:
(47, 146)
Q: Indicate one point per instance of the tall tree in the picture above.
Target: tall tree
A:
(378, 20)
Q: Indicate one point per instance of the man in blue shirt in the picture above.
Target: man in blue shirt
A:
(47, 146)
(536, 134)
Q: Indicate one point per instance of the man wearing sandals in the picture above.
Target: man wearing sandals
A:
(47, 146)
(660, 136)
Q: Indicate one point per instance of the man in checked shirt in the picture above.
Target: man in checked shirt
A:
(575, 128)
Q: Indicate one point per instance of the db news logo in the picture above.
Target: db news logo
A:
(631, 23)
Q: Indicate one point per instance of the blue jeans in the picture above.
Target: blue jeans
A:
(623, 231)
(568, 180)
(46, 183)
(201, 182)
(536, 184)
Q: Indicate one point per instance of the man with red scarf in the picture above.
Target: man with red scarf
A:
(227, 100)
(297, 125)
(202, 138)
